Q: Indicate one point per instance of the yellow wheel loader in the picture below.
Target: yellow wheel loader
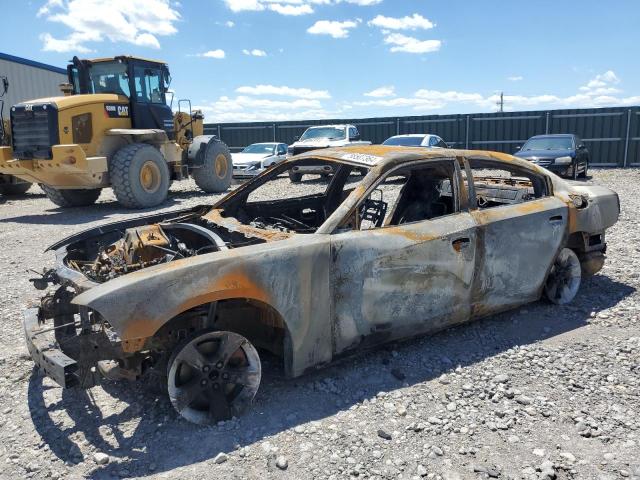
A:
(113, 128)
(9, 185)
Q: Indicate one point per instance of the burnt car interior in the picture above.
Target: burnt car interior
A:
(498, 184)
(267, 206)
(406, 195)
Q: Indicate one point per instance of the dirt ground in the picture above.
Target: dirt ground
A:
(540, 392)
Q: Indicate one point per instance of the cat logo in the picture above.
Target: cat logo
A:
(116, 110)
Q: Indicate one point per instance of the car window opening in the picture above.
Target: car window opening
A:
(408, 195)
(499, 184)
(300, 207)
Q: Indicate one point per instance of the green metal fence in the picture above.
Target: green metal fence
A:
(612, 135)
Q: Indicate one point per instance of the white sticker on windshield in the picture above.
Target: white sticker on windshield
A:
(362, 158)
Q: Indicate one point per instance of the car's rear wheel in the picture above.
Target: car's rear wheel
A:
(564, 278)
(213, 376)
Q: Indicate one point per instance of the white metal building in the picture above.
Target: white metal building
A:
(28, 80)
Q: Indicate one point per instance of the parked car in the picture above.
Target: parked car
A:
(256, 158)
(323, 136)
(563, 154)
(416, 140)
(312, 274)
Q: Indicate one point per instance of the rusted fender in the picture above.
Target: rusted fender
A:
(292, 276)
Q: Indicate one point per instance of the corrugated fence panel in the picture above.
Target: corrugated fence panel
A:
(602, 130)
(503, 132)
(633, 156)
(608, 133)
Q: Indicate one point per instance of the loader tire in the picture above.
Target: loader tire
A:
(14, 188)
(73, 197)
(139, 176)
(214, 176)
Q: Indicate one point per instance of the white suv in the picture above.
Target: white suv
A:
(416, 140)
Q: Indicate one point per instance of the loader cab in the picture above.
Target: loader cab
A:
(143, 82)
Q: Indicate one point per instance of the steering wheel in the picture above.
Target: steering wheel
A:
(373, 211)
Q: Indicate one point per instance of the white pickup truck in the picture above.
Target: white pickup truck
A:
(322, 136)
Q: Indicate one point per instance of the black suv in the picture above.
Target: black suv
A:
(563, 154)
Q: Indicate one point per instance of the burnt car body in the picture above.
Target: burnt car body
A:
(426, 240)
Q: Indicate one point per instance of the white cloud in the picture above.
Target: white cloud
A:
(589, 96)
(217, 53)
(255, 52)
(414, 22)
(332, 28)
(403, 43)
(138, 22)
(515, 78)
(602, 85)
(293, 10)
(284, 91)
(381, 92)
(229, 24)
(289, 7)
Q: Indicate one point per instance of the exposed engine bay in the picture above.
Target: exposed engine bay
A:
(108, 255)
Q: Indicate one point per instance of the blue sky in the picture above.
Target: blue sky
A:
(242, 60)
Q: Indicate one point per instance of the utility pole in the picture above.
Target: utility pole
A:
(500, 103)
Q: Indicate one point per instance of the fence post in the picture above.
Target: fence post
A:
(274, 133)
(626, 141)
(398, 126)
(466, 142)
(546, 127)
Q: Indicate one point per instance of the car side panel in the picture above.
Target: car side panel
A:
(517, 246)
(402, 281)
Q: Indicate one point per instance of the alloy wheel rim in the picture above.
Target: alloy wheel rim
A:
(214, 377)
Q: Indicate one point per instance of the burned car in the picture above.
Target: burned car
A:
(311, 272)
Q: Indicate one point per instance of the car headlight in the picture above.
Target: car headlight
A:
(255, 166)
(563, 160)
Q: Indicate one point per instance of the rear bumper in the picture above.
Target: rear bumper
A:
(58, 366)
(69, 167)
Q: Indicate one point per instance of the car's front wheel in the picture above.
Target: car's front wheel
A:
(564, 278)
(213, 376)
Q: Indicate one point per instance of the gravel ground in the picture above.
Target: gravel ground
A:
(541, 392)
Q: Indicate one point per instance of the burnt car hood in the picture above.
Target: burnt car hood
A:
(544, 153)
(124, 224)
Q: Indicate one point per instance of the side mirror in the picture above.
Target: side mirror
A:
(296, 138)
(581, 146)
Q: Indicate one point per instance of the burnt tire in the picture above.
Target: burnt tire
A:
(564, 278)
(295, 177)
(139, 176)
(14, 188)
(72, 197)
(583, 174)
(213, 376)
(214, 176)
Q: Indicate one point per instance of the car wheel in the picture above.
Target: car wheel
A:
(564, 278)
(586, 168)
(213, 376)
